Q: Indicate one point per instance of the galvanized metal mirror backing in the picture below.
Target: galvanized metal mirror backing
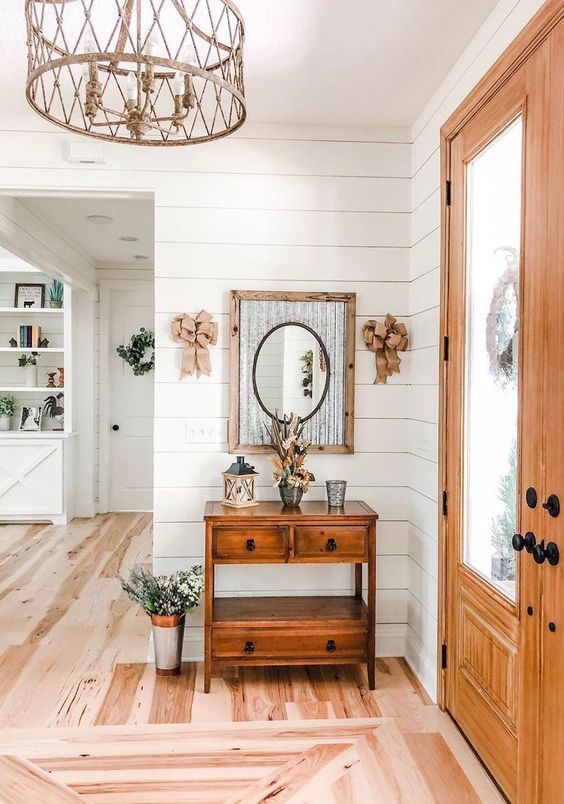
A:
(331, 318)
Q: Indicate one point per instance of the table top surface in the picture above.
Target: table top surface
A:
(275, 510)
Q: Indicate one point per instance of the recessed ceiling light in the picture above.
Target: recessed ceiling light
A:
(140, 257)
(129, 239)
(99, 218)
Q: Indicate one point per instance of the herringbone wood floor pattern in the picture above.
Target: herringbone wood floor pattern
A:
(84, 718)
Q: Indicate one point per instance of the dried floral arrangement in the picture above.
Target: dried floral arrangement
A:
(291, 452)
(165, 595)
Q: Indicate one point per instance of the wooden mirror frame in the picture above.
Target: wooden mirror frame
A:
(237, 296)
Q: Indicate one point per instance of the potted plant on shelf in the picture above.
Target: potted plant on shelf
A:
(167, 599)
(290, 474)
(56, 293)
(29, 363)
(7, 410)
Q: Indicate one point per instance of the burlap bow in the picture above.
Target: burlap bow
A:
(385, 340)
(196, 333)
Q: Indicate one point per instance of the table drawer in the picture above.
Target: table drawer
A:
(256, 644)
(250, 544)
(344, 543)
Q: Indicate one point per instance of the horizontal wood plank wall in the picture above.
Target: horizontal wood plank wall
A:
(505, 22)
(270, 208)
(303, 215)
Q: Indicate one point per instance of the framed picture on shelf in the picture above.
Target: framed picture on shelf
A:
(30, 418)
(28, 296)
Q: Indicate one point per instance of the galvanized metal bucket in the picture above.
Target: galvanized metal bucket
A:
(168, 635)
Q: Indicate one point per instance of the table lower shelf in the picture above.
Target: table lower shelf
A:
(289, 611)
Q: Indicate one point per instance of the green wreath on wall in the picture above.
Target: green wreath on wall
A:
(135, 352)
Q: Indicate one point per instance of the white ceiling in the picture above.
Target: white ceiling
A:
(325, 62)
(100, 243)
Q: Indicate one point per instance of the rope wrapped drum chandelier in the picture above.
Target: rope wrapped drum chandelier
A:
(146, 72)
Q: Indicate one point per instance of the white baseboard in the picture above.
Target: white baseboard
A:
(390, 641)
(422, 662)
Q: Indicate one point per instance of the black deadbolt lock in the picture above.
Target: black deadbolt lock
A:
(531, 497)
(552, 505)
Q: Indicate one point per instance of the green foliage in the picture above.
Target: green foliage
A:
(28, 360)
(7, 405)
(165, 594)
(503, 525)
(134, 352)
(56, 291)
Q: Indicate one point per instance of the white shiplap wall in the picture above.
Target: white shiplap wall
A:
(501, 27)
(294, 214)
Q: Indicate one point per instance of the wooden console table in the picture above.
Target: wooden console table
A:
(288, 630)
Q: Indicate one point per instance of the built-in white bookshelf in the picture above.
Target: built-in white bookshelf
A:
(55, 324)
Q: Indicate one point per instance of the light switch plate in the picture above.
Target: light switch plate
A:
(206, 431)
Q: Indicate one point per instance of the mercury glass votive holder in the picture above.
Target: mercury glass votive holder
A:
(336, 492)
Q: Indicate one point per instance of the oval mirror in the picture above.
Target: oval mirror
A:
(291, 371)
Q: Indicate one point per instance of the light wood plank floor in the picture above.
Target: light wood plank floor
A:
(84, 717)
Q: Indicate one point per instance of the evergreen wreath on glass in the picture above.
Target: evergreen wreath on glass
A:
(135, 352)
(502, 323)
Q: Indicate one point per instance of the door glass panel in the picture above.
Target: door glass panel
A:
(492, 316)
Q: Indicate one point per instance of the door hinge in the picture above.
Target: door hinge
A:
(448, 192)
(443, 656)
(445, 347)
(445, 503)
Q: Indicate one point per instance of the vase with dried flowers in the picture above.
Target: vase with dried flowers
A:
(290, 474)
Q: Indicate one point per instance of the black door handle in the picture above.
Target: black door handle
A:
(251, 545)
(549, 553)
(331, 545)
(526, 542)
(115, 427)
(249, 647)
(331, 647)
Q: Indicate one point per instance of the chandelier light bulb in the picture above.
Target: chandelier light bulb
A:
(189, 56)
(152, 44)
(89, 43)
(178, 84)
(131, 86)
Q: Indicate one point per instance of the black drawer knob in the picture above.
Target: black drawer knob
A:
(331, 545)
(251, 545)
(331, 647)
(249, 647)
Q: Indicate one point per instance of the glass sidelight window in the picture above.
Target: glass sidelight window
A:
(493, 234)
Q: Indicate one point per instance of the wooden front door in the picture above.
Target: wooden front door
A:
(493, 412)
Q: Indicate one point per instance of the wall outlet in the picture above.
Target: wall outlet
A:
(206, 431)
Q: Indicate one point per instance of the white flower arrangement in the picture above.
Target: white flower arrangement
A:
(165, 595)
